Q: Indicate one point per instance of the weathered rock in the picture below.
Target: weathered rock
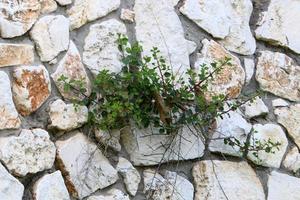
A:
(249, 69)
(15, 54)
(50, 187)
(127, 15)
(84, 11)
(83, 165)
(279, 103)
(17, 17)
(112, 194)
(171, 186)
(66, 117)
(99, 55)
(109, 139)
(282, 186)
(230, 80)
(255, 108)
(51, 36)
(31, 88)
(30, 152)
(71, 67)
(279, 24)
(215, 179)
(149, 147)
(289, 117)
(9, 117)
(275, 134)
(48, 6)
(130, 175)
(277, 74)
(227, 20)
(292, 160)
(64, 2)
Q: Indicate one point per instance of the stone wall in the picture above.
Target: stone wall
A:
(47, 154)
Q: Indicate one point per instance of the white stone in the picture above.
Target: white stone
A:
(51, 36)
(279, 24)
(71, 67)
(16, 54)
(84, 11)
(282, 186)
(48, 6)
(255, 108)
(30, 152)
(50, 187)
(227, 20)
(275, 134)
(64, 2)
(222, 180)
(109, 138)
(249, 69)
(84, 167)
(9, 117)
(130, 175)
(292, 160)
(279, 103)
(127, 15)
(277, 74)
(66, 117)
(101, 48)
(112, 194)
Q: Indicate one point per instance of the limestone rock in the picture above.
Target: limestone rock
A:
(292, 160)
(30, 152)
(17, 17)
(99, 55)
(127, 15)
(16, 54)
(112, 194)
(66, 117)
(109, 139)
(83, 165)
(289, 117)
(279, 103)
(10, 187)
(48, 6)
(279, 24)
(230, 80)
(130, 175)
(51, 187)
(147, 146)
(277, 74)
(213, 178)
(31, 88)
(64, 2)
(255, 108)
(264, 133)
(282, 186)
(249, 69)
(72, 68)
(227, 20)
(51, 36)
(84, 11)
(9, 117)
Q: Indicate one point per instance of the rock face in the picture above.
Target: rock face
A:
(112, 194)
(48, 6)
(99, 55)
(30, 152)
(255, 108)
(292, 160)
(109, 139)
(9, 117)
(130, 175)
(289, 117)
(277, 74)
(227, 20)
(249, 69)
(230, 80)
(15, 54)
(171, 186)
(84, 11)
(17, 17)
(50, 187)
(213, 179)
(84, 167)
(279, 103)
(264, 133)
(71, 67)
(51, 36)
(31, 87)
(283, 186)
(147, 147)
(66, 117)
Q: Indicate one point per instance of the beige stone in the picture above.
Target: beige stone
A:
(16, 54)
(292, 160)
(48, 6)
(127, 15)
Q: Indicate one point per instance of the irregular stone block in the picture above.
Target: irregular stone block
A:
(292, 160)
(255, 108)
(16, 54)
(127, 15)
(109, 138)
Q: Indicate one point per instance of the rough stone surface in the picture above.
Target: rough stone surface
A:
(213, 178)
(224, 19)
(279, 103)
(64, 2)
(30, 152)
(50, 187)
(264, 133)
(51, 36)
(84, 11)
(249, 69)
(277, 74)
(292, 160)
(84, 167)
(31, 87)
(15, 54)
(112, 194)
(255, 108)
(109, 139)
(130, 175)
(9, 117)
(99, 55)
(230, 80)
(127, 15)
(48, 6)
